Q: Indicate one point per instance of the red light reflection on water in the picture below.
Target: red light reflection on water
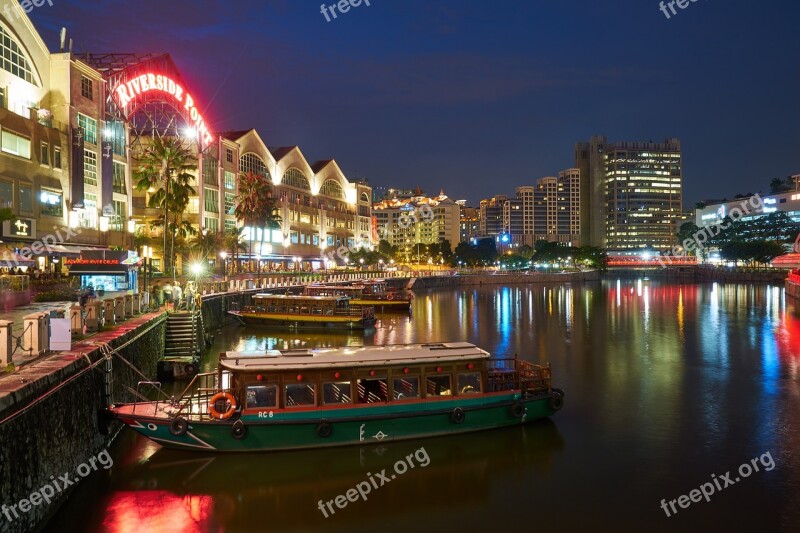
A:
(158, 510)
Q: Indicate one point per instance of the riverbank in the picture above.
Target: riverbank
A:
(701, 274)
(52, 414)
(463, 280)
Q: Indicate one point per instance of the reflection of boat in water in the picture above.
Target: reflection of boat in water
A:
(238, 492)
(269, 401)
(792, 262)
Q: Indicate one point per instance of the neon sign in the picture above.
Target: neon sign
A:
(129, 91)
(770, 201)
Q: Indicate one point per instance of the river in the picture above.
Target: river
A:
(668, 387)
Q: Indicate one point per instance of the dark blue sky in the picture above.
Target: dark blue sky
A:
(478, 97)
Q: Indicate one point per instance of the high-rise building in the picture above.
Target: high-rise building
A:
(491, 215)
(551, 209)
(631, 193)
(470, 223)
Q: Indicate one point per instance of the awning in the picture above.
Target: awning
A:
(10, 259)
(63, 250)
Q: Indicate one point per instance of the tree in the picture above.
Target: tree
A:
(778, 185)
(206, 243)
(255, 206)
(165, 171)
(233, 244)
(446, 250)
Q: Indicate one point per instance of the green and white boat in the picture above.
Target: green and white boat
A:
(295, 399)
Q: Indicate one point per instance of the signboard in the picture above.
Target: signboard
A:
(76, 169)
(107, 178)
(23, 228)
(127, 94)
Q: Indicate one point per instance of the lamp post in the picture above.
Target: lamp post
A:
(380, 264)
(361, 262)
(104, 229)
(224, 255)
(131, 230)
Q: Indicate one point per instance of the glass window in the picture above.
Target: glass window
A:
(57, 157)
(253, 163)
(332, 188)
(16, 144)
(262, 396)
(299, 394)
(89, 126)
(26, 198)
(44, 154)
(14, 60)
(118, 181)
(294, 237)
(116, 129)
(6, 194)
(337, 392)
(372, 390)
(230, 203)
(438, 385)
(230, 180)
(89, 167)
(87, 88)
(212, 201)
(469, 383)
(229, 155)
(210, 170)
(118, 220)
(211, 224)
(406, 387)
(50, 203)
(295, 178)
(87, 218)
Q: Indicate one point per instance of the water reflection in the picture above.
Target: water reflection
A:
(666, 384)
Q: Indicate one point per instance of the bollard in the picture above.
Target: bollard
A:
(32, 334)
(6, 348)
(76, 319)
(44, 333)
(136, 304)
(94, 313)
(128, 305)
(119, 309)
(108, 313)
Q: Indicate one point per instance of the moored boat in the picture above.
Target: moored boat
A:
(281, 400)
(305, 311)
(367, 292)
(791, 261)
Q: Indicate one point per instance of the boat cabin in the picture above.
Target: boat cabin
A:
(345, 377)
(300, 305)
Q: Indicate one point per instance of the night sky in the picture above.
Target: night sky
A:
(479, 97)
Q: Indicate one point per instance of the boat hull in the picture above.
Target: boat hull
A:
(310, 322)
(293, 430)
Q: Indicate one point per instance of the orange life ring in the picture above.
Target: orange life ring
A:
(390, 296)
(212, 410)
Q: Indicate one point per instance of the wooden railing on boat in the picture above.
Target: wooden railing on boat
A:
(512, 373)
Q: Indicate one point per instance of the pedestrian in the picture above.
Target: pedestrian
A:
(168, 294)
(177, 295)
(190, 295)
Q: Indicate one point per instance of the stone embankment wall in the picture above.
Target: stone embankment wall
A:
(52, 413)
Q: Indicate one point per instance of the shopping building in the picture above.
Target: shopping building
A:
(65, 185)
(750, 208)
(631, 193)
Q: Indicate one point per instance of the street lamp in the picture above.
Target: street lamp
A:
(361, 261)
(224, 255)
(104, 228)
(380, 263)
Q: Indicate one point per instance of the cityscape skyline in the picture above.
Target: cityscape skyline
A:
(415, 88)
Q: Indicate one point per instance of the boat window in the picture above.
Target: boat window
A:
(316, 311)
(260, 309)
(271, 308)
(438, 385)
(406, 388)
(299, 394)
(337, 392)
(293, 309)
(372, 390)
(304, 309)
(469, 383)
(262, 396)
(281, 308)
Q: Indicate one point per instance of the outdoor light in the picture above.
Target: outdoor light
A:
(104, 224)
(361, 260)
(131, 226)
(196, 268)
(190, 133)
(223, 254)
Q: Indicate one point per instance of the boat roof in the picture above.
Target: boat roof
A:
(272, 360)
(299, 297)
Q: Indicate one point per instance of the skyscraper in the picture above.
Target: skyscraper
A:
(633, 193)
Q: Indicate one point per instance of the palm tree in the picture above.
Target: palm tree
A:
(233, 244)
(255, 206)
(165, 170)
(205, 243)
